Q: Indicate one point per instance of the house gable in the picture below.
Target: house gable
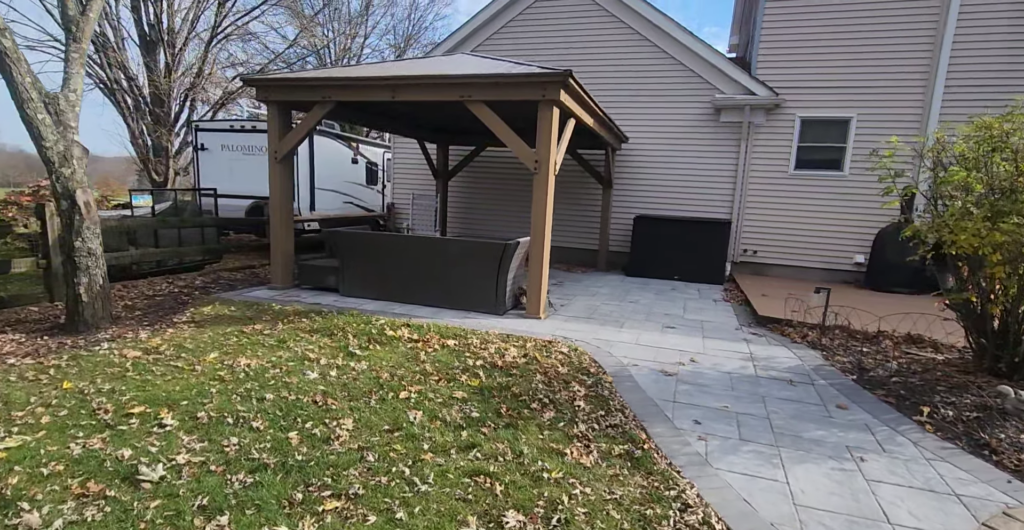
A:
(647, 20)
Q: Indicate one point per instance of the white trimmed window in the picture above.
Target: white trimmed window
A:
(821, 144)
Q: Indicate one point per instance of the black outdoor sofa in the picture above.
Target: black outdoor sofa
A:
(479, 275)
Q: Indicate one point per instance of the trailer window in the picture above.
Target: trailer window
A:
(372, 174)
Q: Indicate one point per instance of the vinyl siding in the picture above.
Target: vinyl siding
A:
(833, 57)
(986, 65)
(679, 160)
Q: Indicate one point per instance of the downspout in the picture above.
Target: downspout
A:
(938, 88)
(746, 187)
(942, 67)
(737, 196)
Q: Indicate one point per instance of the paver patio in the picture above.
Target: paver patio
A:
(772, 435)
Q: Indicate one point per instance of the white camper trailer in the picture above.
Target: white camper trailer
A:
(336, 174)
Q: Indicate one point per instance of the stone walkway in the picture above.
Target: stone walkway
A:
(772, 435)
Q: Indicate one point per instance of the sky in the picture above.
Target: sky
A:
(102, 132)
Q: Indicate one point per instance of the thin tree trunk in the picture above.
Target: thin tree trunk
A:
(85, 270)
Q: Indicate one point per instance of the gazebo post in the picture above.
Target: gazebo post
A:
(282, 188)
(441, 185)
(541, 209)
(606, 209)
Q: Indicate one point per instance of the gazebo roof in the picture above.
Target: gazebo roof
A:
(425, 98)
(455, 64)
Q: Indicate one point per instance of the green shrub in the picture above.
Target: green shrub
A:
(970, 224)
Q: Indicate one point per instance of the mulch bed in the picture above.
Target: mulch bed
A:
(932, 382)
(140, 307)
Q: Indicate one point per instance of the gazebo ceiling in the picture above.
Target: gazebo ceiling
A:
(425, 98)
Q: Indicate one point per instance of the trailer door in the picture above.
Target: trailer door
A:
(234, 162)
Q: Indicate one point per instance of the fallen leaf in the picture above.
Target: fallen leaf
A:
(29, 521)
(151, 474)
(13, 441)
(842, 406)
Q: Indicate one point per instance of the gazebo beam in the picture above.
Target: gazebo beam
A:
(505, 91)
(441, 185)
(586, 117)
(296, 136)
(426, 156)
(281, 210)
(563, 143)
(604, 232)
(542, 209)
(588, 168)
(466, 160)
(505, 133)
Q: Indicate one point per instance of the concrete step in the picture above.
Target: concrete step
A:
(318, 273)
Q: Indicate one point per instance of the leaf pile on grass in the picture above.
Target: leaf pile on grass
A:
(254, 416)
(140, 307)
(932, 382)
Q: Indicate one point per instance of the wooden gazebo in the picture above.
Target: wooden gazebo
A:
(538, 112)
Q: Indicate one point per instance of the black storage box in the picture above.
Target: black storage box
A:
(686, 249)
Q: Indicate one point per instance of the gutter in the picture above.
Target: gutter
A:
(722, 101)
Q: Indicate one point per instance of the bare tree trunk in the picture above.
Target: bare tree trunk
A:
(85, 270)
(51, 119)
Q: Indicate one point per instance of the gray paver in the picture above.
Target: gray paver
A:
(755, 429)
(720, 399)
(825, 430)
(674, 342)
(785, 407)
(645, 353)
(768, 373)
(978, 490)
(659, 384)
(771, 499)
(789, 389)
(893, 443)
(982, 509)
(771, 351)
(830, 484)
(726, 353)
(694, 374)
(718, 364)
(902, 471)
(745, 457)
(807, 445)
(820, 520)
(727, 345)
(921, 509)
(781, 364)
(705, 420)
(699, 441)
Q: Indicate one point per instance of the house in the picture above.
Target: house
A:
(774, 140)
(854, 74)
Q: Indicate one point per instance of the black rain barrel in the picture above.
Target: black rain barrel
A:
(895, 266)
(686, 249)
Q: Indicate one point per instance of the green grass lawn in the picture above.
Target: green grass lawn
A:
(252, 417)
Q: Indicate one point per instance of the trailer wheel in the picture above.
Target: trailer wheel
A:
(256, 210)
